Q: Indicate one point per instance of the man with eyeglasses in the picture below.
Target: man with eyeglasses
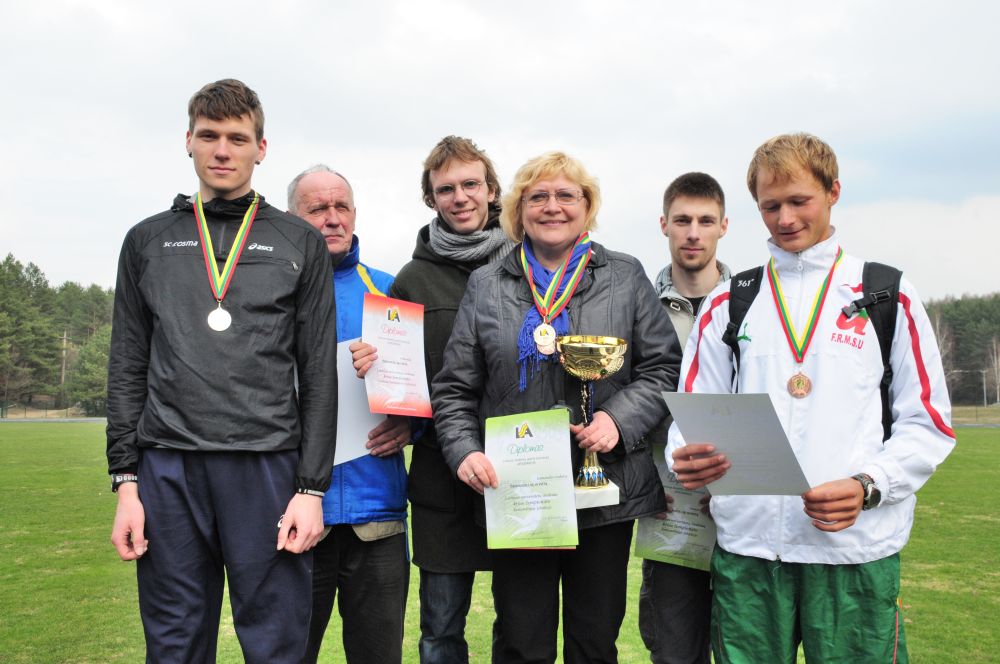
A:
(675, 602)
(362, 563)
(461, 186)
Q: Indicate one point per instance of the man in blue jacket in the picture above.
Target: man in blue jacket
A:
(364, 556)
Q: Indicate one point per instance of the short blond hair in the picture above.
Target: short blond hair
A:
(544, 167)
(785, 154)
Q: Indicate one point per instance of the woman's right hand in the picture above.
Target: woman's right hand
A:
(363, 355)
(477, 471)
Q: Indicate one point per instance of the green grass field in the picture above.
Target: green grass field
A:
(65, 596)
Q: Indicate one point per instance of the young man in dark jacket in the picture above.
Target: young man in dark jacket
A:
(219, 466)
(460, 184)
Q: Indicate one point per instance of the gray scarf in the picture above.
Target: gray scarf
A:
(488, 245)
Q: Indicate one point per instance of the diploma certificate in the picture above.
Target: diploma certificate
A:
(746, 429)
(355, 420)
(687, 536)
(397, 382)
(534, 504)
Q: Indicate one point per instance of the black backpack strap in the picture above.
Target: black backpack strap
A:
(880, 284)
(743, 289)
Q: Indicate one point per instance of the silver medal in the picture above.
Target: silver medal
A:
(219, 320)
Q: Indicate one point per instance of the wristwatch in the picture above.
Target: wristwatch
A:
(117, 479)
(872, 495)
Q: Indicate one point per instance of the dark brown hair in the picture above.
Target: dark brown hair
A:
(226, 99)
(694, 185)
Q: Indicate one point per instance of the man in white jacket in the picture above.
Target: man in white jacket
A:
(821, 569)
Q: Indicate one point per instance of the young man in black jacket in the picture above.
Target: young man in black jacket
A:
(219, 466)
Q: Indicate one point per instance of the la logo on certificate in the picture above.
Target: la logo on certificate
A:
(397, 382)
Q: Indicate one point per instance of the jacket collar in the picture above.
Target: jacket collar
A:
(817, 257)
(218, 207)
(351, 260)
(512, 262)
(511, 265)
(665, 282)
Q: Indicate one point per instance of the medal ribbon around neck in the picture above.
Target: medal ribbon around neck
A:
(219, 281)
(550, 305)
(799, 345)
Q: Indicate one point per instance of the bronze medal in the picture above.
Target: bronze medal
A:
(545, 339)
(799, 385)
(550, 304)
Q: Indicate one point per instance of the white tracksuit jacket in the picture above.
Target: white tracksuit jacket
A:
(836, 431)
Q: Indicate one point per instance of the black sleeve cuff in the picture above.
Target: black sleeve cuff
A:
(312, 483)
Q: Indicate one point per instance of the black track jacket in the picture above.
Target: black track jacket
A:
(173, 382)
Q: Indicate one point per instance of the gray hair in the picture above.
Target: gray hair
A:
(318, 168)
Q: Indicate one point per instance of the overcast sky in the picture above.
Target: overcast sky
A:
(907, 93)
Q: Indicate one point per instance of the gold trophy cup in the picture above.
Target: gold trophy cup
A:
(591, 358)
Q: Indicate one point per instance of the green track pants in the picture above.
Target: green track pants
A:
(763, 609)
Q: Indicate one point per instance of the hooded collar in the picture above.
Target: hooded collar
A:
(665, 282)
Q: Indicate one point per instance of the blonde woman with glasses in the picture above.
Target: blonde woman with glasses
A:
(497, 363)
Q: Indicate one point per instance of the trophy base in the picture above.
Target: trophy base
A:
(587, 497)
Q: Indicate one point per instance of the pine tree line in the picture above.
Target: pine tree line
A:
(54, 342)
(968, 333)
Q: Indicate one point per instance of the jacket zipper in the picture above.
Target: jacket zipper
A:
(791, 412)
(221, 243)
